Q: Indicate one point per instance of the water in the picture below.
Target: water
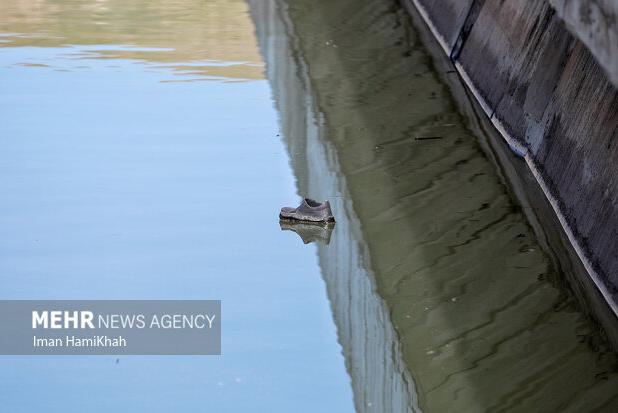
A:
(134, 134)
(443, 298)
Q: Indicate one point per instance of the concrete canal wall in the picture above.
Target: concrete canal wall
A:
(545, 73)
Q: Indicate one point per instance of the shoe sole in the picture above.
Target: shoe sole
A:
(330, 220)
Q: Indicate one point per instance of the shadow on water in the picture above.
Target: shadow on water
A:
(443, 298)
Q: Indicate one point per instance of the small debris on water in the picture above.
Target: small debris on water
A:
(424, 138)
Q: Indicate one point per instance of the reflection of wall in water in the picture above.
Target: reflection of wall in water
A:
(380, 380)
(457, 264)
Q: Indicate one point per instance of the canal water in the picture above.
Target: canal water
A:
(146, 149)
(443, 297)
(141, 160)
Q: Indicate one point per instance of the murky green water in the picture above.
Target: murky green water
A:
(134, 134)
(479, 323)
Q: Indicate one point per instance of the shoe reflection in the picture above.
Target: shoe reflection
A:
(309, 232)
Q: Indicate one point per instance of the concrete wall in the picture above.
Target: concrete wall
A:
(543, 87)
(594, 23)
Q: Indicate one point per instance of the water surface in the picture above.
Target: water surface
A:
(470, 315)
(133, 136)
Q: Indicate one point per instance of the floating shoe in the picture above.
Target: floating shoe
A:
(308, 211)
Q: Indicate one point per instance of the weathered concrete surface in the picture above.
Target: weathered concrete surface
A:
(594, 23)
(552, 102)
(451, 17)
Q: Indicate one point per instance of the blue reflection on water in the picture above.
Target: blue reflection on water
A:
(120, 185)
